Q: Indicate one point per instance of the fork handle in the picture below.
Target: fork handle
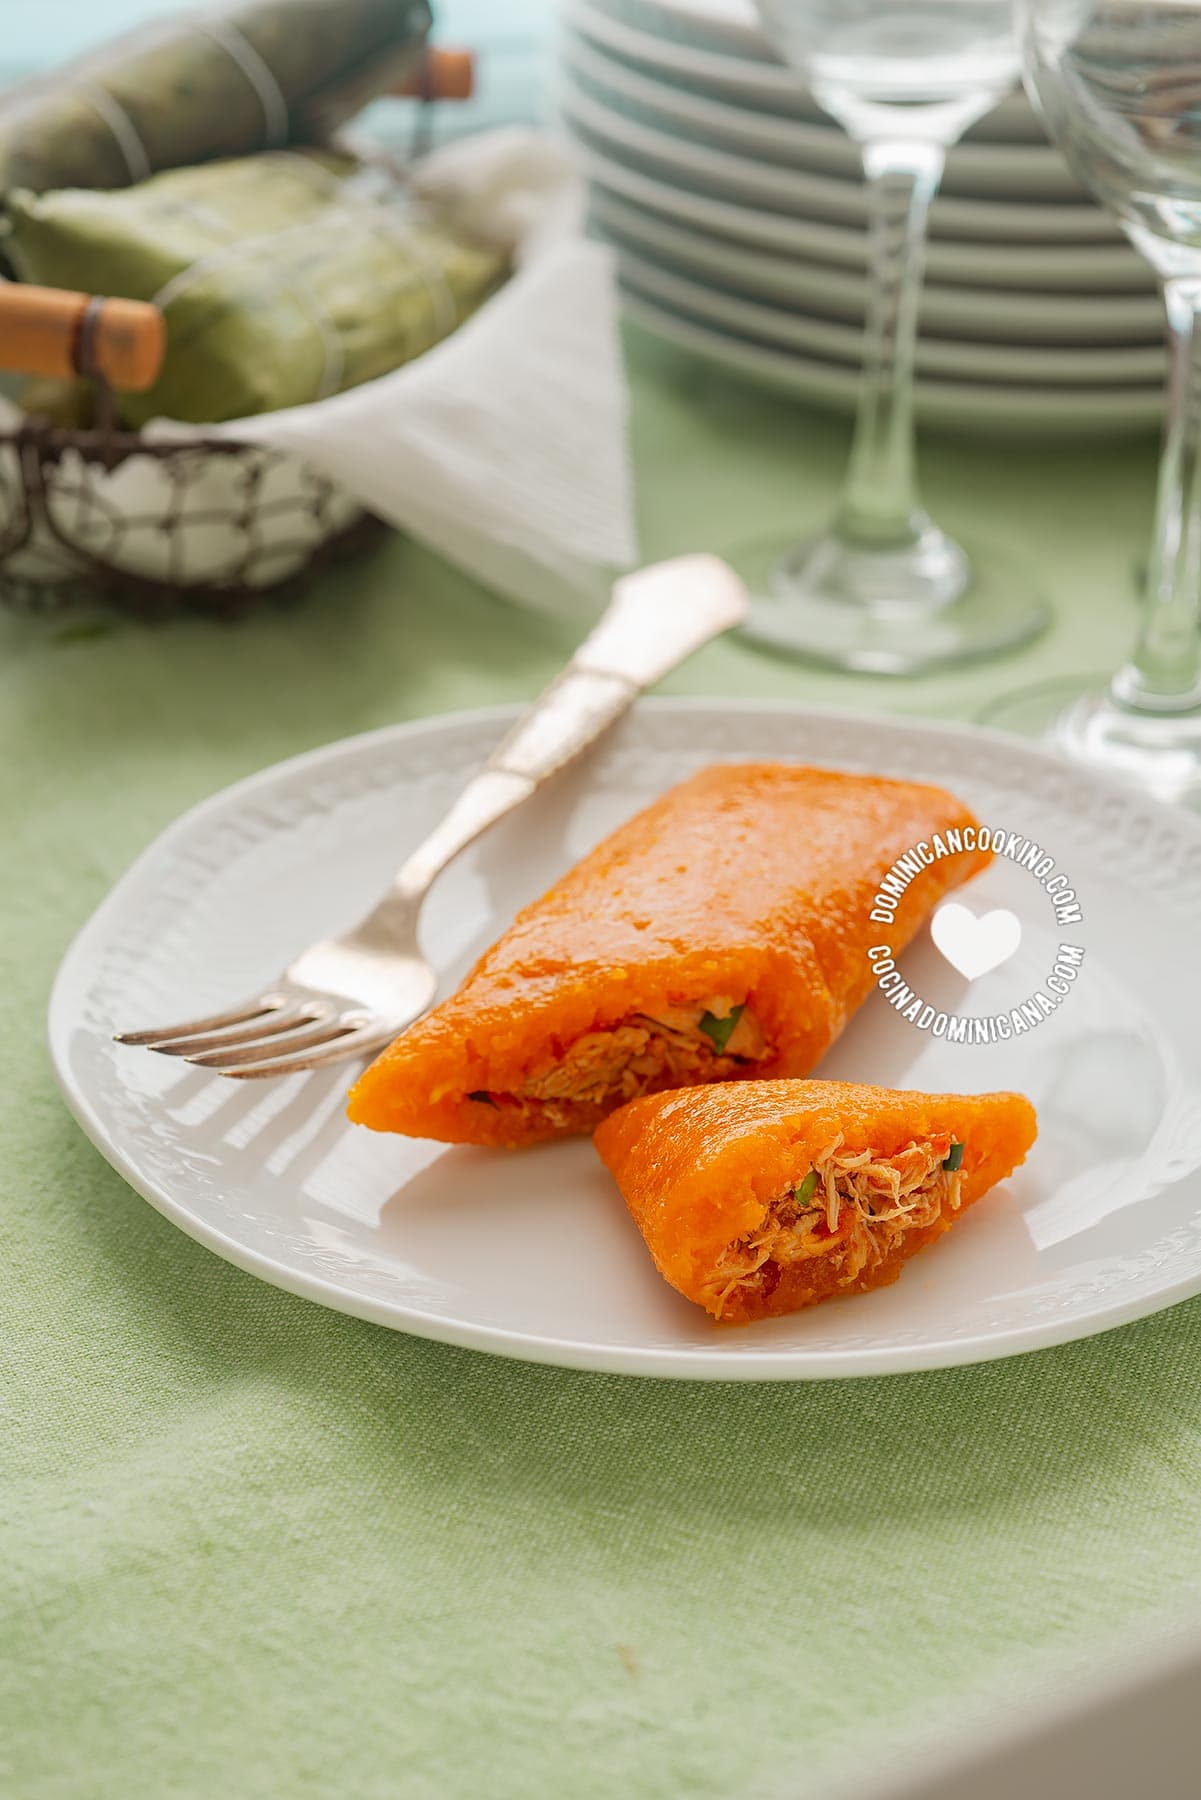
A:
(656, 617)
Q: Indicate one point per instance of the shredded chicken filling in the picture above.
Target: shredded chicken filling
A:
(853, 1206)
(679, 1047)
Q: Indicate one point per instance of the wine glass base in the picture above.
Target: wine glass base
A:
(882, 611)
(1159, 752)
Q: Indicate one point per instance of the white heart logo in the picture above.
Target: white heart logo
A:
(975, 945)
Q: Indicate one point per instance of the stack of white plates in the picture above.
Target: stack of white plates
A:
(738, 212)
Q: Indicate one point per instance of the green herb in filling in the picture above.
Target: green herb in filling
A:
(954, 1159)
(720, 1031)
(806, 1190)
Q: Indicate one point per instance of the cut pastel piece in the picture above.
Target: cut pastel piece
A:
(721, 934)
(760, 1199)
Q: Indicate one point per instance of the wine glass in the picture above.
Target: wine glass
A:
(883, 589)
(1118, 83)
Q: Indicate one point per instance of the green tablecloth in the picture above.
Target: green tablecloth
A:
(254, 1548)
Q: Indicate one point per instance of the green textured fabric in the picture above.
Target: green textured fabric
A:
(250, 1547)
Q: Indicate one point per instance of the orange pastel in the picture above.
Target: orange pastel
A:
(721, 934)
(761, 1198)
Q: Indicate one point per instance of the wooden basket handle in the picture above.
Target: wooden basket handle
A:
(440, 75)
(50, 331)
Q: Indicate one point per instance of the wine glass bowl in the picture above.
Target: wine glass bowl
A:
(926, 68)
(1119, 89)
(883, 589)
(1118, 83)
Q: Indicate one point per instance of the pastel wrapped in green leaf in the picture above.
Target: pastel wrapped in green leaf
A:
(283, 278)
(214, 84)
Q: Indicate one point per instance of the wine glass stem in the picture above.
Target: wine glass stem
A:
(879, 504)
(1164, 675)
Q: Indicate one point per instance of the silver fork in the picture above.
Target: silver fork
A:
(350, 995)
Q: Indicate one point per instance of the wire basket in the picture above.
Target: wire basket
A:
(228, 522)
(149, 524)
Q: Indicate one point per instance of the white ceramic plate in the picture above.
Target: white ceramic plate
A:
(805, 135)
(731, 25)
(755, 74)
(972, 409)
(733, 28)
(1080, 268)
(943, 358)
(1122, 320)
(532, 1255)
(776, 162)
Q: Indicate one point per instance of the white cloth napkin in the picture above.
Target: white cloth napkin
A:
(504, 447)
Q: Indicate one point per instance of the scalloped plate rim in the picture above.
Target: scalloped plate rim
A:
(662, 1361)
